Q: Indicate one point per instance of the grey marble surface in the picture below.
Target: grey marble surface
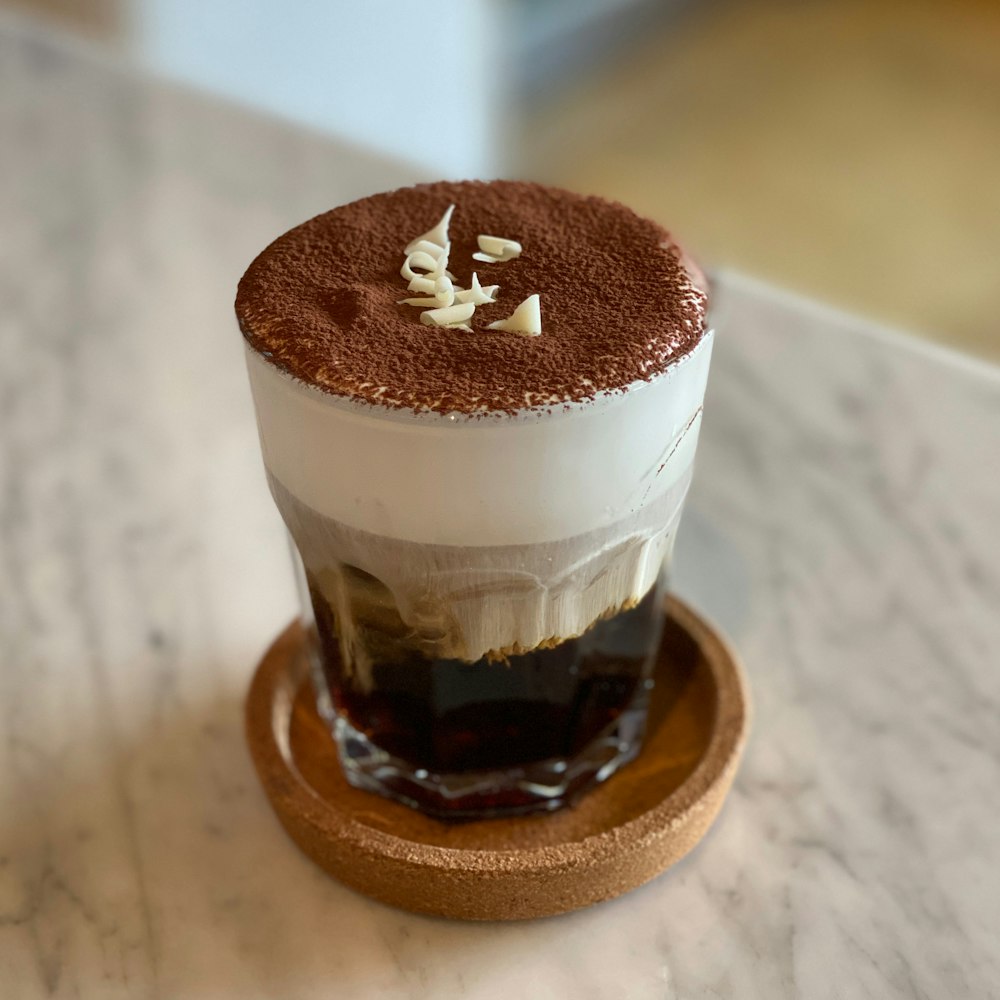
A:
(844, 529)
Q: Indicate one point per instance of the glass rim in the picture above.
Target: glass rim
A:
(485, 419)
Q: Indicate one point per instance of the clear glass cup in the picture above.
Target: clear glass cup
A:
(482, 595)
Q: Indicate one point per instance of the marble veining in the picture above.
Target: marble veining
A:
(843, 528)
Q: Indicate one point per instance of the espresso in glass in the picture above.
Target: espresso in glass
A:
(482, 518)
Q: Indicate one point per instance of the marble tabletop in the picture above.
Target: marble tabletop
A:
(844, 529)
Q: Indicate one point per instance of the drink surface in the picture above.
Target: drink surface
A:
(620, 302)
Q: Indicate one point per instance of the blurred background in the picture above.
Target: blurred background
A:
(846, 149)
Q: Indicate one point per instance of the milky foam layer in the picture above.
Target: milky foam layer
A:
(458, 602)
(538, 476)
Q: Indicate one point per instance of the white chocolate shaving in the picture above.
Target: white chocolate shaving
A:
(438, 235)
(425, 246)
(444, 294)
(496, 249)
(477, 293)
(425, 262)
(426, 271)
(421, 284)
(525, 320)
(444, 291)
(448, 315)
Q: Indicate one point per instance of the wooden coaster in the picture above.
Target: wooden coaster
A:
(623, 833)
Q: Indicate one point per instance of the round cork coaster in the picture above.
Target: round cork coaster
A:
(621, 834)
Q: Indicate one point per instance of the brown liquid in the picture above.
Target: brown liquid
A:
(450, 717)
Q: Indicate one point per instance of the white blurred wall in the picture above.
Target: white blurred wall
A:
(424, 82)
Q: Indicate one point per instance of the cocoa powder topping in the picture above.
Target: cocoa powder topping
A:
(620, 303)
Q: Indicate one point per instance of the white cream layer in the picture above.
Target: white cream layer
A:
(458, 480)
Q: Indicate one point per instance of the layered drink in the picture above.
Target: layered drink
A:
(478, 406)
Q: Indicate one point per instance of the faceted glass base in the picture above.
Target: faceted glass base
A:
(539, 786)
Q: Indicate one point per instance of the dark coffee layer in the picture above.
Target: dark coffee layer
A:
(449, 715)
(554, 720)
(619, 302)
